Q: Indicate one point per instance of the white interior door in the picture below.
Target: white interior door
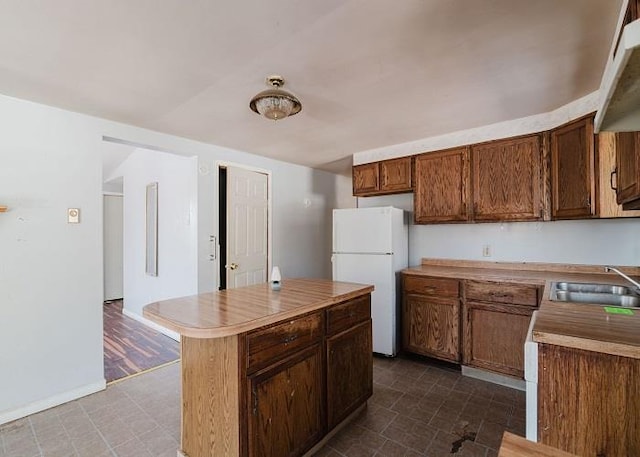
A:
(247, 219)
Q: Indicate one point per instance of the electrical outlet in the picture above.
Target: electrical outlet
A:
(486, 250)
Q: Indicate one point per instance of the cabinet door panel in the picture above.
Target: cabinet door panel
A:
(366, 178)
(588, 402)
(395, 175)
(507, 179)
(442, 186)
(573, 170)
(432, 326)
(349, 371)
(495, 337)
(628, 166)
(286, 415)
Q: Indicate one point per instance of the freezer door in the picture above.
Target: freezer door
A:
(362, 230)
(378, 271)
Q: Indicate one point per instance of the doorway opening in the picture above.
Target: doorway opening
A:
(244, 226)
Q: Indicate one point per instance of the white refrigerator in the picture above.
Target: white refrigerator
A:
(370, 246)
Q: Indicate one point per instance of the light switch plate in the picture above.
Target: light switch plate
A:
(73, 215)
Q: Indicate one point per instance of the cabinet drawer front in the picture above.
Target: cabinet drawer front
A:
(443, 287)
(281, 340)
(346, 315)
(516, 294)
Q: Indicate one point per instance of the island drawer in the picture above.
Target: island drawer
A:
(282, 339)
(500, 292)
(424, 285)
(346, 315)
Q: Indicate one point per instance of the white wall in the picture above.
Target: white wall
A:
(113, 246)
(600, 242)
(177, 180)
(51, 273)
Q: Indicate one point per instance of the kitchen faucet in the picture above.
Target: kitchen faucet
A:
(635, 283)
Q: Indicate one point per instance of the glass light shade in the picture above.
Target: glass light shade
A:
(275, 104)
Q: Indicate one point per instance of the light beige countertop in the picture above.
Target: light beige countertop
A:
(576, 325)
(234, 311)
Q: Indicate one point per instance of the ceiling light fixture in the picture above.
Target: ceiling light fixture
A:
(275, 104)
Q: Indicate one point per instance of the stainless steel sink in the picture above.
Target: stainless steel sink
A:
(598, 294)
(592, 288)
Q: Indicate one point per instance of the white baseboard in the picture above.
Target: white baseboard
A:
(165, 331)
(59, 399)
(494, 378)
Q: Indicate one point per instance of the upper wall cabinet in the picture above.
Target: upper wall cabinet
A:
(366, 179)
(381, 178)
(507, 179)
(628, 169)
(573, 172)
(442, 187)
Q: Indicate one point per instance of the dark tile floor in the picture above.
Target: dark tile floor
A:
(418, 409)
(421, 408)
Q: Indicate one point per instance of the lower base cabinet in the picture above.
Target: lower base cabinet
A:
(432, 327)
(494, 336)
(287, 413)
(588, 402)
(349, 374)
(327, 373)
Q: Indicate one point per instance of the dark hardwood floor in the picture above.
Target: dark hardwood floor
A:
(131, 347)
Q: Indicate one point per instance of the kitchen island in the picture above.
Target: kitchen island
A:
(269, 373)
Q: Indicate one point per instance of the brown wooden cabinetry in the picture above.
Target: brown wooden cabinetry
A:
(287, 407)
(366, 179)
(349, 371)
(495, 322)
(588, 402)
(431, 317)
(507, 179)
(391, 176)
(304, 376)
(608, 206)
(628, 169)
(349, 361)
(442, 186)
(573, 178)
(396, 175)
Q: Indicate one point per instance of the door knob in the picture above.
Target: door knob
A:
(233, 266)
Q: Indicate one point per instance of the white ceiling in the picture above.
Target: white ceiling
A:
(369, 73)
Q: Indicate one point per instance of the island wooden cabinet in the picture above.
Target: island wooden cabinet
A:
(628, 169)
(349, 374)
(285, 395)
(588, 402)
(495, 322)
(256, 365)
(391, 176)
(507, 179)
(573, 170)
(286, 415)
(431, 317)
(349, 362)
(442, 188)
